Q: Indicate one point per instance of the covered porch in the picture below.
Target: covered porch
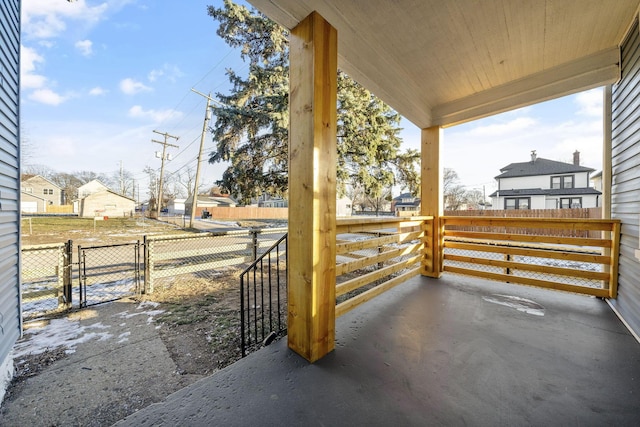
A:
(444, 348)
(448, 351)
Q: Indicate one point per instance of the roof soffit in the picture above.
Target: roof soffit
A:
(442, 62)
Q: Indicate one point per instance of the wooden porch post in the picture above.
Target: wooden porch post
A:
(312, 187)
(606, 152)
(431, 194)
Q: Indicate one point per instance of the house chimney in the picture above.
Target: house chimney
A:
(576, 158)
(533, 156)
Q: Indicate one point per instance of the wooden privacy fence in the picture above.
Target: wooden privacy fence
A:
(374, 255)
(541, 252)
(584, 213)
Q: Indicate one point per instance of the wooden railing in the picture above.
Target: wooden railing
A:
(374, 255)
(551, 253)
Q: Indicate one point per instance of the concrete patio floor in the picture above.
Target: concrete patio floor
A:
(453, 351)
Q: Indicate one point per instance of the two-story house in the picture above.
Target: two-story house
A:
(545, 184)
(37, 192)
(406, 205)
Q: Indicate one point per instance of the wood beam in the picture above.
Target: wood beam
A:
(312, 187)
(431, 195)
(606, 151)
(581, 74)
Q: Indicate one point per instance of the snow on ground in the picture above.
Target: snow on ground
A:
(41, 335)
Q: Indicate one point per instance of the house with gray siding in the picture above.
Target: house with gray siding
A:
(10, 318)
(38, 193)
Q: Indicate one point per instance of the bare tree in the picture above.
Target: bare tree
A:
(42, 170)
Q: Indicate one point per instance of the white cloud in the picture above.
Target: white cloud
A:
(131, 87)
(97, 91)
(590, 103)
(29, 59)
(156, 115)
(169, 72)
(47, 96)
(45, 19)
(85, 47)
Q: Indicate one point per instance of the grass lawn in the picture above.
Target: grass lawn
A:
(43, 230)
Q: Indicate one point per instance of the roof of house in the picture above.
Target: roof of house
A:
(212, 200)
(545, 192)
(26, 177)
(398, 201)
(540, 167)
(404, 196)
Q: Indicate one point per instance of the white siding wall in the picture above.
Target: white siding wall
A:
(10, 318)
(581, 180)
(524, 182)
(625, 185)
(105, 203)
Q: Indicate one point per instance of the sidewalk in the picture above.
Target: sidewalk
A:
(116, 365)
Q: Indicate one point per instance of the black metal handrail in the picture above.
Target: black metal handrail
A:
(263, 298)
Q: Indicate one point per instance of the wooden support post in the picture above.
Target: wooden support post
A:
(312, 187)
(431, 195)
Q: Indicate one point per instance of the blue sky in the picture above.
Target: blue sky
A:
(98, 76)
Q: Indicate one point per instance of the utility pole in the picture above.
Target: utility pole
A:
(207, 116)
(164, 144)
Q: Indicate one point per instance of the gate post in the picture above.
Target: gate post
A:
(67, 274)
(148, 265)
(254, 243)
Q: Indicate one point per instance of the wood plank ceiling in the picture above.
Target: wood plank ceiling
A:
(443, 62)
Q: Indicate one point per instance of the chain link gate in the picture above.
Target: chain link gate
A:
(108, 272)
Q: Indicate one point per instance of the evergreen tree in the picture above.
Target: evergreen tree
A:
(251, 129)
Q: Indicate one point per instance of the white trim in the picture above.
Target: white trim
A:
(624, 322)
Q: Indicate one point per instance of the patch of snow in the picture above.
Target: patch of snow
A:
(145, 304)
(123, 337)
(225, 223)
(149, 313)
(61, 332)
(6, 374)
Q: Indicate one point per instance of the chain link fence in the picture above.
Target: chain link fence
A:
(529, 261)
(108, 272)
(186, 260)
(56, 277)
(46, 279)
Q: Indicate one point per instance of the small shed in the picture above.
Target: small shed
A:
(106, 203)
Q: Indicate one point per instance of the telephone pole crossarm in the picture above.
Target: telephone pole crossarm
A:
(164, 144)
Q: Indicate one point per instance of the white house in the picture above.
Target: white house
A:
(106, 203)
(545, 184)
(91, 187)
(176, 206)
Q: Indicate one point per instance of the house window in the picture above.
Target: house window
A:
(28, 190)
(570, 202)
(565, 181)
(517, 202)
(47, 191)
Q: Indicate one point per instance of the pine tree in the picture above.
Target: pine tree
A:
(251, 130)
